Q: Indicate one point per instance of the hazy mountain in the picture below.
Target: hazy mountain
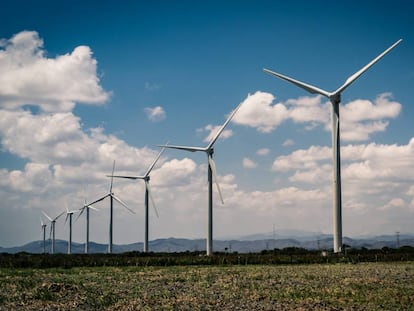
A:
(252, 243)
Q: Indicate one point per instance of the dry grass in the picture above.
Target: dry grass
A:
(365, 286)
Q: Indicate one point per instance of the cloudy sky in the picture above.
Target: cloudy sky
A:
(84, 84)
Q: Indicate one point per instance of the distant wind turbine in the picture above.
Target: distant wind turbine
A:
(86, 207)
(209, 150)
(146, 178)
(69, 216)
(111, 196)
(52, 228)
(44, 234)
(335, 99)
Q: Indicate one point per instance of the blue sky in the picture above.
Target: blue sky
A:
(78, 81)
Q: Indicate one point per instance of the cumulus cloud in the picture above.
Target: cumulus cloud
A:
(213, 129)
(28, 77)
(248, 163)
(155, 114)
(359, 118)
(258, 111)
(288, 142)
(34, 178)
(372, 169)
(263, 151)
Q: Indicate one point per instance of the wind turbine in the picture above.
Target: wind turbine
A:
(211, 171)
(112, 197)
(52, 228)
(86, 207)
(44, 234)
(335, 99)
(146, 178)
(69, 216)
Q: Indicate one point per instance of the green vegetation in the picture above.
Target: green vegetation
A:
(362, 286)
(289, 255)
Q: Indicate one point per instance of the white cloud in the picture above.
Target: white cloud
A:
(372, 174)
(35, 178)
(248, 163)
(288, 142)
(213, 129)
(27, 77)
(258, 112)
(359, 119)
(155, 114)
(263, 151)
(308, 109)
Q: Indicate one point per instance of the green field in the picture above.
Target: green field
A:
(363, 286)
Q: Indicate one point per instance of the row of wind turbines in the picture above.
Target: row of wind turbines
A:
(335, 99)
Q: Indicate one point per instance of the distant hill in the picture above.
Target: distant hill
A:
(254, 243)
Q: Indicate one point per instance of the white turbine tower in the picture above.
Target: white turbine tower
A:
(148, 195)
(112, 197)
(44, 234)
(335, 99)
(52, 229)
(209, 150)
(86, 207)
(69, 216)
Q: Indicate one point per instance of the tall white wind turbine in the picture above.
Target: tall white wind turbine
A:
(148, 195)
(52, 228)
(112, 197)
(44, 234)
(209, 150)
(86, 207)
(335, 99)
(69, 215)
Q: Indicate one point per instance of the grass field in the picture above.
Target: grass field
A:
(364, 286)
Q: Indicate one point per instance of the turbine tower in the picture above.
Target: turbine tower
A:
(112, 197)
(69, 216)
(52, 229)
(335, 99)
(211, 171)
(44, 234)
(148, 195)
(86, 207)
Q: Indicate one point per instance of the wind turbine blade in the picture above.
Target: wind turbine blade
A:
(47, 216)
(59, 215)
(81, 212)
(112, 177)
(104, 197)
(50, 234)
(307, 87)
(147, 185)
(94, 208)
(128, 177)
(155, 161)
(357, 74)
(122, 203)
(67, 216)
(223, 126)
(213, 170)
(41, 221)
(187, 148)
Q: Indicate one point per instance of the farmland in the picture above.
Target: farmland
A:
(340, 286)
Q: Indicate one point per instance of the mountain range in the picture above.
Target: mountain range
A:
(246, 244)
